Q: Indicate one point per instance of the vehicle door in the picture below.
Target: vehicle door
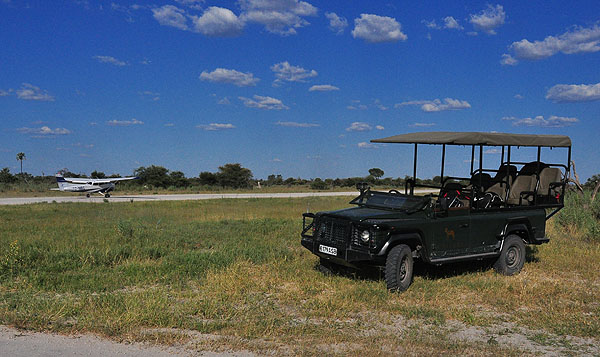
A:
(450, 229)
(486, 225)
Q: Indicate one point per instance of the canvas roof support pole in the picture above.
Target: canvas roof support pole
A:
(480, 158)
(443, 158)
(412, 187)
(472, 157)
(502, 157)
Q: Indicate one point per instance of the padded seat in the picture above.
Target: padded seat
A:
(523, 189)
(550, 187)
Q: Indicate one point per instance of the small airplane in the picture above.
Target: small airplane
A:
(89, 185)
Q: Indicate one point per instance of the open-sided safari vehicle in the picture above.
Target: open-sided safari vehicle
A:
(492, 213)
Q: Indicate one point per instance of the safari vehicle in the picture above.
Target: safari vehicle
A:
(491, 214)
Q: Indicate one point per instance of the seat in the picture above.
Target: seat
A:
(451, 195)
(482, 180)
(524, 187)
(550, 187)
(502, 181)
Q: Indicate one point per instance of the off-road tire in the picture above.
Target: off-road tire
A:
(399, 268)
(512, 256)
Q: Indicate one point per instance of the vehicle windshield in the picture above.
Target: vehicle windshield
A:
(390, 201)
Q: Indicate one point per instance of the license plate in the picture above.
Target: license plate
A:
(327, 250)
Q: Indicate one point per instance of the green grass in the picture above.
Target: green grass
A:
(235, 269)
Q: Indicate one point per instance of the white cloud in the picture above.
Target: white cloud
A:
(215, 126)
(218, 22)
(552, 122)
(169, 15)
(421, 125)
(275, 159)
(110, 60)
(44, 131)
(223, 75)
(357, 107)
(451, 23)
(569, 93)
(379, 105)
(194, 4)
(374, 28)
(437, 105)
(577, 40)
(224, 101)
(150, 95)
(294, 124)
(366, 145)
(322, 88)
(379, 127)
(493, 151)
(337, 24)
(489, 19)
(359, 126)
(261, 102)
(431, 24)
(133, 121)
(169, 124)
(4, 93)
(31, 92)
(280, 17)
(288, 73)
(518, 96)
(508, 60)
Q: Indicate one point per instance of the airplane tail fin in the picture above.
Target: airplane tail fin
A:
(61, 182)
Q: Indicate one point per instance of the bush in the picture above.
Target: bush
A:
(581, 213)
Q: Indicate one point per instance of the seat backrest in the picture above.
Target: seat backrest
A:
(501, 188)
(481, 179)
(502, 172)
(548, 176)
(522, 183)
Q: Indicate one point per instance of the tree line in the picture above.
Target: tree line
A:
(230, 176)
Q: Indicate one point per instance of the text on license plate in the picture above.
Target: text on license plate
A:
(327, 250)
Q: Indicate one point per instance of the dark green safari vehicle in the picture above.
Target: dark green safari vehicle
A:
(489, 214)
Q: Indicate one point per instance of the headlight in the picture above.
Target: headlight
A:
(365, 235)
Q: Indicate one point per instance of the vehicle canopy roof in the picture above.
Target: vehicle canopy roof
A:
(478, 138)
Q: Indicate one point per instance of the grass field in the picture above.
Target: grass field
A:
(231, 275)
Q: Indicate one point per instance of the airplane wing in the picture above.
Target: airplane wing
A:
(98, 181)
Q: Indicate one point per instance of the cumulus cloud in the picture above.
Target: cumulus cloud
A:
(231, 76)
(261, 102)
(31, 92)
(285, 72)
(169, 15)
(437, 105)
(431, 24)
(4, 93)
(322, 88)
(552, 122)
(337, 24)
(570, 93)
(374, 28)
(489, 19)
(44, 131)
(518, 96)
(133, 121)
(110, 60)
(451, 23)
(294, 124)
(224, 101)
(215, 126)
(359, 126)
(379, 127)
(421, 125)
(218, 22)
(508, 60)
(280, 17)
(366, 145)
(576, 40)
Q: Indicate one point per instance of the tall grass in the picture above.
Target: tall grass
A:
(581, 215)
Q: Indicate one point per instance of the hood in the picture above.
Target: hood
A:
(364, 213)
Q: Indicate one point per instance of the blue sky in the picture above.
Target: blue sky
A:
(290, 87)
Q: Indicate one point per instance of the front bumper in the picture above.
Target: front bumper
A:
(345, 256)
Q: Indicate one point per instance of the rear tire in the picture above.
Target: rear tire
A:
(512, 256)
(399, 268)
(87, 195)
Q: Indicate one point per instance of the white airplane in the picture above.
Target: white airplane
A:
(89, 185)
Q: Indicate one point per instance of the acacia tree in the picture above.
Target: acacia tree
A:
(21, 157)
(376, 172)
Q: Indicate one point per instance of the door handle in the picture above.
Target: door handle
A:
(464, 225)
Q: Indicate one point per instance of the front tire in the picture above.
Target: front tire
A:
(399, 268)
(512, 256)
(107, 195)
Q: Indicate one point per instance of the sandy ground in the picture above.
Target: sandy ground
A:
(179, 197)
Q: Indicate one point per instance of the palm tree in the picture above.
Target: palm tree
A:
(21, 157)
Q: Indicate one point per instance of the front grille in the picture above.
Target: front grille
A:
(334, 232)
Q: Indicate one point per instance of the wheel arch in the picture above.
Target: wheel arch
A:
(520, 227)
(413, 240)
